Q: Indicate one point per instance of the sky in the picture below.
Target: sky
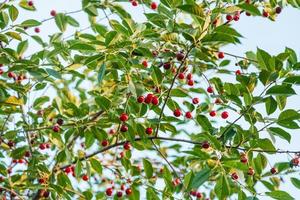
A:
(258, 32)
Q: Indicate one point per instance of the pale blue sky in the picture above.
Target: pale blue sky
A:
(258, 32)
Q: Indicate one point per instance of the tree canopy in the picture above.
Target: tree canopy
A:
(144, 109)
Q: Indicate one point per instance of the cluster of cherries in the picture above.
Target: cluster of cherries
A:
(153, 5)
(71, 169)
(109, 191)
(56, 127)
(17, 78)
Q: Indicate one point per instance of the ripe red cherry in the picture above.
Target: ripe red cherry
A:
(193, 193)
(153, 6)
(195, 100)
(244, 159)
(149, 131)
(278, 10)
(210, 89)
(221, 55)
(236, 17)
(188, 115)
(199, 195)
(119, 194)
(37, 30)
(181, 75)
(123, 117)
(250, 171)
(10, 143)
(56, 128)
(205, 145)
(11, 75)
(155, 100)
(266, 14)
(48, 146)
(85, 177)
(224, 115)
(167, 65)
(179, 56)
(124, 128)
(228, 17)
(190, 82)
(128, 191)
(189, 76)
(42, 146)
(104, 143)
(148, 98)
(27, 154)
(68, 170)
(234, 176)
(109, 191)
(212, 113)
(238, 72)
(273, 170)
(60, 121)
(126, 146)
(295, 161)
(177, 112)
(42, 181)
(112, 131)
(140, 99)
(1, 71)
(30, 3)
(53, 13)
(145, 63)
(248, 14)
(134, 3)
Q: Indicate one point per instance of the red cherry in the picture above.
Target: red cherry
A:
(85, 177)
(278, 10)
(126, 146)
(190, 82)
(244, 159)
(295, 161)
(234, 176)
(145, 63)
(119, 194)
(124, 128)
(134, 3)
(221, 55)
(224, 115)
(11, 75)
(180, 56)
(20, 161)
(155, 100)
(1, 71)
(153, 6)
(42, 146)
(121, 154)
(266, 14)
(60, 121)
(53, 13)
(123, 187)
(48, 145)
(42, 181)
(199, 195)
(27, 154)
(195, 100)
(212, 113)
(228, 17)
(56, 128)
(188, 115)
(37, 30)
(177, 112)
(189, 76)
(148, 98)
(238, 72)
(128, 191)
(273, 170)
(123, 117)
(236, 17)
(46, 194)
(181, 75)
(10, 143)
(112, 131)
(109, 191)
(30, 3)
(167, 65)
(193, 193)
(149, 131)
(104, 143)
(210, 89)
(140, 99)
(250, 171)
(205, 145)
(68, 170)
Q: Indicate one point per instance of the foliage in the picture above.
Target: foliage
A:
(144, 110)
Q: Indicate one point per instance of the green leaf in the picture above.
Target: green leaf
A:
(70, 20)
(110, 36)
(295, 182)
(30, 23)
(263, 59)
(82, 46)
(13, 13)
(281, 90)
(250, 8)
(204, 123)
(264, 144)
(201, 177)
(222, 188)
(271, 105)
(280, 132)
(193, 9)
(78, 168)
(96, 165)
(179, 93)
(61, 22)
(280, 195)
(187, 182)
(101, 73)
(40, 101)
(148, 168)
(53, 73)
(287, 117)
(18, 153)
(22, 47)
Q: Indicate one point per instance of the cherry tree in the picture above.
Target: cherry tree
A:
(144, 110)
